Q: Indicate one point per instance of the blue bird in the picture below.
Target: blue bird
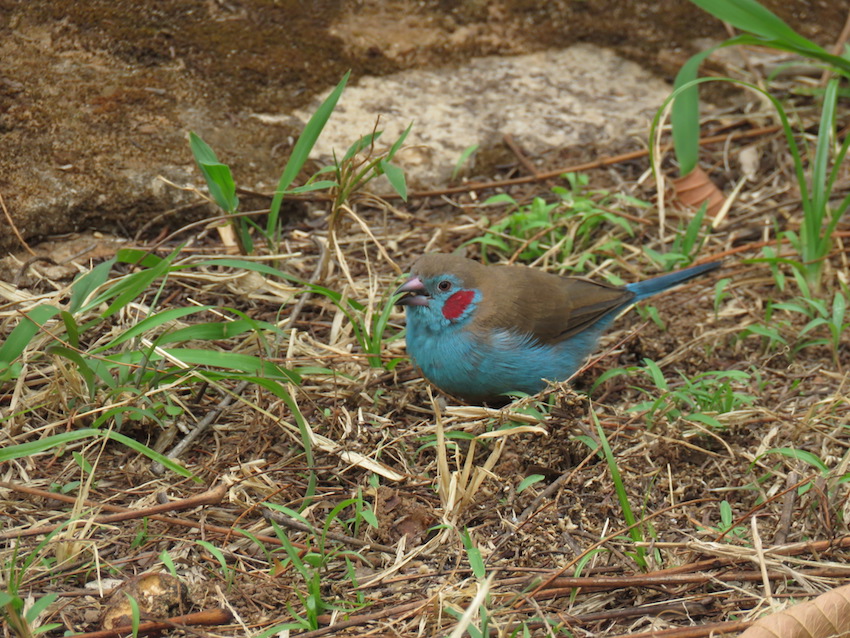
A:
(479, 331)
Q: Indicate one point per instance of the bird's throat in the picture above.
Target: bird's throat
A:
(457, 304)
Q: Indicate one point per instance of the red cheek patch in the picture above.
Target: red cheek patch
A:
(457, 304)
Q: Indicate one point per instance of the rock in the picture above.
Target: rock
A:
(583, 95)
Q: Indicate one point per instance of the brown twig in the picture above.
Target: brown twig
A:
(13, 227)
(711, 629)
(609, 537)
(787, 512)
(174, 211)
(207, 617)
(517, 151)
(684, 608)
(744, 517)
(203, 426)
(16, 280)
(605, 161)
(216, 529)
(340, 538)
(362, 619)
(210, 497)
(565, 586)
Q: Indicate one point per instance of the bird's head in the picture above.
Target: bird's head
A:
(442, 289)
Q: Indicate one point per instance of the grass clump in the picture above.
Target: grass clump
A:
(816, 169)
(565, 230)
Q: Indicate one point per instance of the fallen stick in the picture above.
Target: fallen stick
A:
(207, 617)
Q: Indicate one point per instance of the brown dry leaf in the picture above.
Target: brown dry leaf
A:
(826, 616)
(159, 595)
(400, 515)
(695, 188)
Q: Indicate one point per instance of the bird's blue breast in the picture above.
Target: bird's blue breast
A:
(475, 366)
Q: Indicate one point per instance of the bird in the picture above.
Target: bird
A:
(481, 331)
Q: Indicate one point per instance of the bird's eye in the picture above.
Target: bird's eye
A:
(445, 285)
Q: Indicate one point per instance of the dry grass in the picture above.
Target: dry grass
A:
(369, 427)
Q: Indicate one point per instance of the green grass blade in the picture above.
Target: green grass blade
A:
(49, 443)
(242, 264)
(213, 331)
(137, 257)
(655, 373)
(839, 64)
(396, 177)
(82, 366)
(620, 488)
(301, 151)
(227, 360)
(705, 419)
(801, 455)
(217, 175)
(88, 283)
(202, 151)
(72, 329)
(836, 169)
(150, 323)
(23, 333)
(363, 143)
(684, 116)
(40, 605)
(820, 175)
(154, 456)
(398, 143)
(469, 150)
(528, 481)
(476, 561)
(132, 286)
(692, 232)
(750, 16)
(839, 309)
(374, 342)
(221, 185)
(321, 185)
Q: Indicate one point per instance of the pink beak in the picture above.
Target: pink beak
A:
(415, 289)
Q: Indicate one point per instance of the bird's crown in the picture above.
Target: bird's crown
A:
(434, 265)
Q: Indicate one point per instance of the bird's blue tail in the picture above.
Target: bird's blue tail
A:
(644, 289)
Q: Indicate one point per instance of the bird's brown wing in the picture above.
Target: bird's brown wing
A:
(549, 307)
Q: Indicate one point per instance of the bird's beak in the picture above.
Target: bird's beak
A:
(415, 293)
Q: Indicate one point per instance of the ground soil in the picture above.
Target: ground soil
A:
(771, 476)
